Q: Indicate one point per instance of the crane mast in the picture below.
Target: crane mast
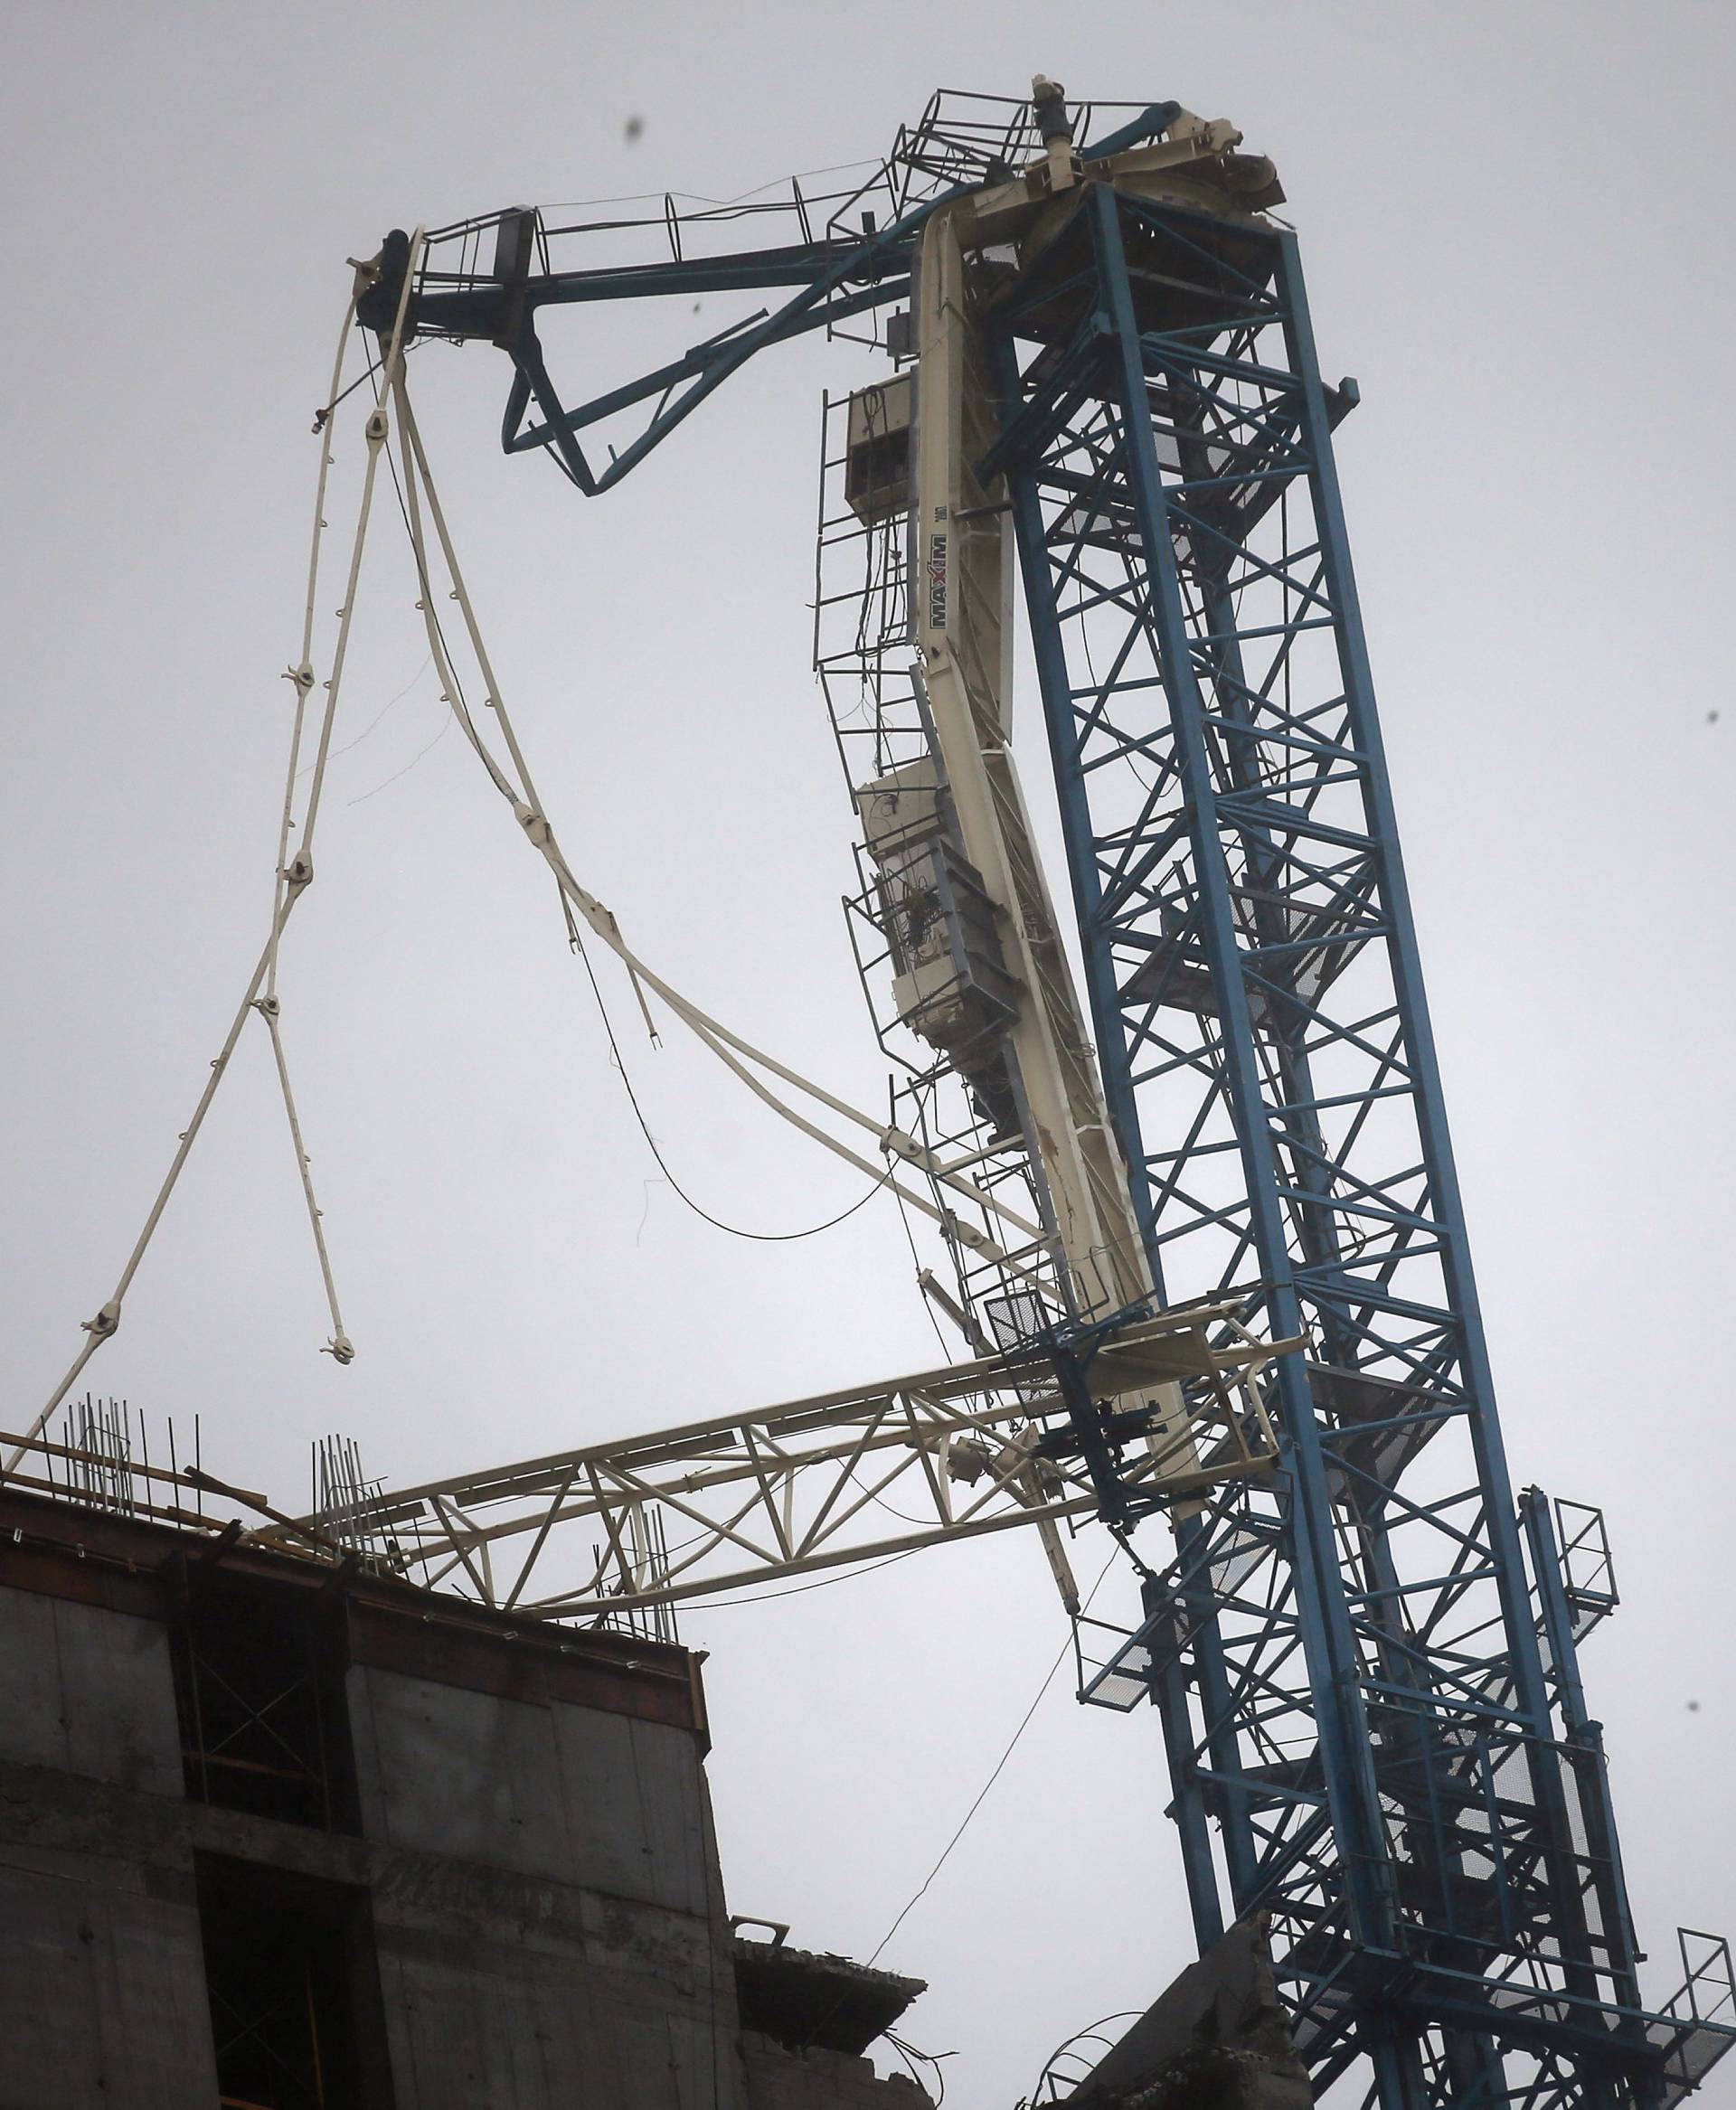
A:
(1370, 1703)
(1364, 1653)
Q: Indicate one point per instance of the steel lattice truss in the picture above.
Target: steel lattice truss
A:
(815, 1484)
(1372, 1713)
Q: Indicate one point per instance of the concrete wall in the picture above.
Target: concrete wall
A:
(574, 1794)
(549, 1918)
(102, 1985)
(102, 1996)
(88, 1691)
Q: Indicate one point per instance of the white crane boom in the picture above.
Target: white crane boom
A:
(962, 599)
(813, 1483)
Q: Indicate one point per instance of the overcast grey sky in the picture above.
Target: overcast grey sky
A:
(1516, 223)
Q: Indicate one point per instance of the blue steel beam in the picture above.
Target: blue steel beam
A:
(1355, 1703)
(832, 280)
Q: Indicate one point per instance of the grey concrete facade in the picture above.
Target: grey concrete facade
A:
(522, 1857)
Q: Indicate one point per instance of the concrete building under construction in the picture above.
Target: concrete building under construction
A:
(281, 1833)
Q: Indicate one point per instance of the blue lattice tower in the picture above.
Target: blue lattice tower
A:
(1371, 1707)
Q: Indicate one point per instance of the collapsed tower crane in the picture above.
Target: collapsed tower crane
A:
(1363, 1649)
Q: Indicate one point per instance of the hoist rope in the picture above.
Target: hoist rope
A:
(734, 1053)
(292, 879)
(655, 1148)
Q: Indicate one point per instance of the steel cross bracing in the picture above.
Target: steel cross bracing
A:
(816, 1483)
(834, 252)
(1372, 1710)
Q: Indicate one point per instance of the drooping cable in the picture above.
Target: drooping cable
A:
(736, 1053)
(912, 2056)
(999, 1767)
(800, 1589)
(380, 715)
(717, 1223)
(386, 783)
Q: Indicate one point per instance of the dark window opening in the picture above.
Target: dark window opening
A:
(259, 1686)
(294, 1988)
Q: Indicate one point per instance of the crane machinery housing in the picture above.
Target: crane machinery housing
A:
(1183, 1140)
